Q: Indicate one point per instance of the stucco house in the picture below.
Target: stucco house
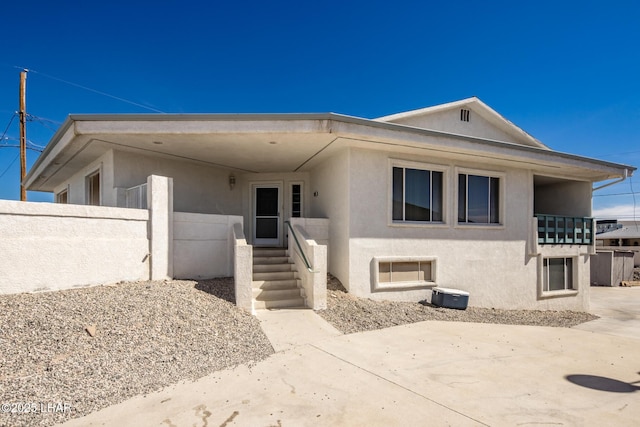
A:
(452, 196)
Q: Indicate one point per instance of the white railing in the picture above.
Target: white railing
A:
(136, 197)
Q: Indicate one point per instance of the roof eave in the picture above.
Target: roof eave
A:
(331, 124)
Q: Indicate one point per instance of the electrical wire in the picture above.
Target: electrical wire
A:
(10, 164)
(615, 194)
(43, 122)
(94, 90)
(7, 128)
(43, 119)
(39, 150)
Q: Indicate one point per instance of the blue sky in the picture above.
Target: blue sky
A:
(567, 72)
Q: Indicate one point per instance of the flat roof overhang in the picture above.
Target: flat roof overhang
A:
(261, 143)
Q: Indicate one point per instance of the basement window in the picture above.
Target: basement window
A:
(464, 115)
(397, 273)
(558, 277)
(557, 274)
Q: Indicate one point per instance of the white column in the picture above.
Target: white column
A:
(242, 269)
(160, 204)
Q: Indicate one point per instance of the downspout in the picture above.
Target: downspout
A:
(625, 176)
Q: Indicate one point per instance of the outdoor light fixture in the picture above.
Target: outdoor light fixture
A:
(232, 181)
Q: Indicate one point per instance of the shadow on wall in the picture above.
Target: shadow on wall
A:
(222, 287)
(603, 383)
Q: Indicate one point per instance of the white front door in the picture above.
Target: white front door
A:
(267, 220)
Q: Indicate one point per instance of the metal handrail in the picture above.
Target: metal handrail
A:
(304, 258)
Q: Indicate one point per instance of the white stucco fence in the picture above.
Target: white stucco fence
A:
(52, 246)
(47, 246)
(203, 245)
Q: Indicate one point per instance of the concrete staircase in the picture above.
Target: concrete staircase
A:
(275, 281)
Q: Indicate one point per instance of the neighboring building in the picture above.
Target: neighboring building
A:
(620, 236)
(453, 195)
(625, 234)
(605, 225)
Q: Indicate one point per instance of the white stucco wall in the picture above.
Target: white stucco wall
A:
(76, 185)
(203, 245)
(49, 246)
(493, 263)
(330, 181)
(197, 188)
(449, 121)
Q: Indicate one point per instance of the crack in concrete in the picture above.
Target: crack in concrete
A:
(399, 385)
(230, 419)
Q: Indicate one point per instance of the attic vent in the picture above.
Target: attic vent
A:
(464, 115)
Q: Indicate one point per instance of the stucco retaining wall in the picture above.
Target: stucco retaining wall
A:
(50, 247)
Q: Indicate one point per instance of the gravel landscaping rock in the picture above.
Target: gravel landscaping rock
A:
(93, 347)
(350, 314)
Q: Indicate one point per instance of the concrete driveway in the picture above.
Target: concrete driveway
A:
(619, 311)
(428, 373)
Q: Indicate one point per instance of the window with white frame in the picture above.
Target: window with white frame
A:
(417, 195)
(557, 274)
(93, 189)
(478, 199)
(62, 197)
(404, 272)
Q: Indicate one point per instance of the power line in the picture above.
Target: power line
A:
(615, 194)
(617, 154)
(39, 150)
(10, 164)
(13, 116)
(44, 119)
(11, 138)
(44, 123)
(95, 91)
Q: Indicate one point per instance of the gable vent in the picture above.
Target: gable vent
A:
(464, 115)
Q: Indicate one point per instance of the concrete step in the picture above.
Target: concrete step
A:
(266, 268)
(270, 260)
(269, 252)
(276, 295)
(288, 303)
(275, 284)
(275, 275)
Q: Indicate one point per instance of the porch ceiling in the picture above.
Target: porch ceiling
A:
(256, 153)
(259, 153)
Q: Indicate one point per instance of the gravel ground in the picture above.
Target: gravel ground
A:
(350, 314)
(148, 335)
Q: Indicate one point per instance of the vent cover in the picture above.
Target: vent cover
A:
(464, 115)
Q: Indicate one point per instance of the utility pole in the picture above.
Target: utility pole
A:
(23, 133)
